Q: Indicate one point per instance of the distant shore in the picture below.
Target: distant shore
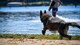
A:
(39, 3)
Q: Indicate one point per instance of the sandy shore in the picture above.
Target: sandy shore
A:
(38, 42)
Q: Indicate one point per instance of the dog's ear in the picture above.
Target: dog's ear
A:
(44, 11)
(40, 12)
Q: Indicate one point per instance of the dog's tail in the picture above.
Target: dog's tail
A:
(73, 24)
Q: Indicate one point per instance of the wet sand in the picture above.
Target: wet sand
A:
(38, 42)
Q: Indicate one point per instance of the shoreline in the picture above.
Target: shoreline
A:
(35, 36)
(36, 39)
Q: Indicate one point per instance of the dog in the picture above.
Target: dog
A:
(55, 24)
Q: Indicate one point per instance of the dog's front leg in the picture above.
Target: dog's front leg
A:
(44, 31)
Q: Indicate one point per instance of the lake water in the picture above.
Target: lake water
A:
(25, 20)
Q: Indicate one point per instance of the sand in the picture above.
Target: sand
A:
(38, 42)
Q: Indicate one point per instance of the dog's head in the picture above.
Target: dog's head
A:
(44, 16)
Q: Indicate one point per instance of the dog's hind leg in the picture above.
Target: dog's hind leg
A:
(65, 32)
(63, 29)
(61, 32)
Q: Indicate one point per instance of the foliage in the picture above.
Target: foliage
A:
(39, 2)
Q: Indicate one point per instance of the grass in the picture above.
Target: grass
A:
(35, 36)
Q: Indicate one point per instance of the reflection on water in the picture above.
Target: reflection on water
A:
(29, 22)
(23, 23)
